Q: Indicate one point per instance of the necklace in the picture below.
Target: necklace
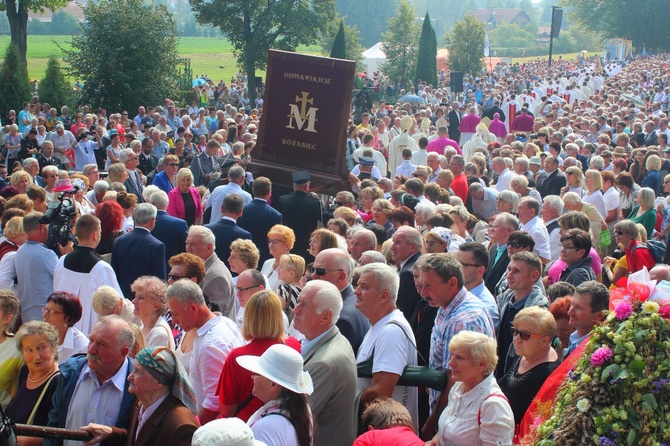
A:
(43, 376)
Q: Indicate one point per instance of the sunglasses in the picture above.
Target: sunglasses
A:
(175, 277)
(324, 271)
(525, 336)
(516, 245)
(619, 232)
(569, 173)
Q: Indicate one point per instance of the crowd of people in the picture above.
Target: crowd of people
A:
(183, 304)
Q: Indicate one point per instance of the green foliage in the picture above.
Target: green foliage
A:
(369, 17)
(14, 86)
(54, 88)
(399, 44)
(339, 49)
(466, 45)
(353, 48)
(126, 54)
(62, 24)
(426, 60)
(255, 26)
(624, 18)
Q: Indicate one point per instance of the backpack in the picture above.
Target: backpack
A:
(655, 247)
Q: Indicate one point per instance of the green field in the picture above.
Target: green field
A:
(213, 56)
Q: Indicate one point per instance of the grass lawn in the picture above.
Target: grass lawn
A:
(211, 56)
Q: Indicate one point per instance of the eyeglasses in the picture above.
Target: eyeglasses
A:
(173, 164)
(569, 173)
(516, 245)
(340, 203)
(619, 232)
(273, 241)
(566, 248)
(175, 277)
(50, 312)
(523, 335)
(470, 264)
(242, 290)
(324, 271)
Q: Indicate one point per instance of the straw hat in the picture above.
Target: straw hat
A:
(282, 365)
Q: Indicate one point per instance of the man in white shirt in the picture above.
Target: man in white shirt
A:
(552, 208)
(94, 388)
(216, 336)
(390, 341)
(236, 175)
(529, 210)
(474, 259)
(504, 174)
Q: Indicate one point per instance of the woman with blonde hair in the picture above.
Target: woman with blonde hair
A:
(20, 180)
(10, 357)
(575, 181)
(519, 184)
(151, 307)
(652, 179)
(290, 271)
(573, 202)
(117, 173)
(367, 198)
(644, 211)
(184, 200)
(280, 241)
(127, 202)
(263, 327)
(381, 210)
(594, 191)
(321, 239)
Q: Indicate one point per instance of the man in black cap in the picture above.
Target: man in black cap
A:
(301, 212)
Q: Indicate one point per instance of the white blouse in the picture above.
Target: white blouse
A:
(478, 417)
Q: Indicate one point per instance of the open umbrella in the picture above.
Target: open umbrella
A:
(198, 83)
(412, 99)
(634, 99)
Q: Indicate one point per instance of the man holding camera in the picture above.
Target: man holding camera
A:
(84, 148)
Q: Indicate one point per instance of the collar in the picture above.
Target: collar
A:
(68, 342)
(456, 301)
(229, 219)
(207, 326)
(118, 380)
(146, 412)
(530, 223)
(309, 345)
(478, 289)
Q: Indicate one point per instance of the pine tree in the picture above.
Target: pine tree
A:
(54, 88)
(14, 83)
(426, 61)
(339, 50)
(399, 44)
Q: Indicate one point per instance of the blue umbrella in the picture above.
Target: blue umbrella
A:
(198, 82)
(412, 99)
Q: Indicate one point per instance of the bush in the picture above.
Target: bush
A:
(54, 88)
(14, 83)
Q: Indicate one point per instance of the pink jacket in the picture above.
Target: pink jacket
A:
(176, 205)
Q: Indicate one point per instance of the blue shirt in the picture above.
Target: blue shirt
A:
(35, 264)
(160, 150)
(488, 300)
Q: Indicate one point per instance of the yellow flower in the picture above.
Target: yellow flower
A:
(650, 307)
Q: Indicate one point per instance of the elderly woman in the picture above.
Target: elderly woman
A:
(573, 202)
(507, 201)
(111, 218)
(38, 378)
(628, 191)
(534, 331)
(150, 307)
(167, 179)
(381, 210)
(244, 255)
(15, 237)
(62, 311)
(20, 180)
(263, 327)
(594, 191)
(575, 181)
(478, 412)
(117, 173)
(367, 198)
(652, 179)
(423, 211)
(321, 239)
(12, 144)
(437, 240)
(644, 212)
(519, 184)
(166, 398)
(10, 357)
(401, 216)
(283, 394)
(107, 301)
(128, 203)
(627, 234)
(84, 206)
(280, 241)
(460, 235)
(185, 200)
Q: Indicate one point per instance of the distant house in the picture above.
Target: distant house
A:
(494, 17)
(73, 8)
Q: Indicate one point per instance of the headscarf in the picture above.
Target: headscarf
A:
(163, 365)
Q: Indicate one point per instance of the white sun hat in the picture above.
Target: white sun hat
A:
(282, 365)
(225, 432)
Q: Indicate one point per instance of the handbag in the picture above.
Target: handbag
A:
(7, 430)
(412, 375)
(605, 239)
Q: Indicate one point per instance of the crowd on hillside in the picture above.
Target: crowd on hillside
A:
(177, 301)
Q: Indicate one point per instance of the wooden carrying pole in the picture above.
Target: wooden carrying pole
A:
(27, 430)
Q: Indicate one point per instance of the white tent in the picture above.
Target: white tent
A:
(372, 57)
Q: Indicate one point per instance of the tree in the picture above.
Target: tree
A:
(466, 45)
(623, 18)
(14, 83)
(255, 26)
(126, 54)
(339, 49)
(369, 17)
(353, 48)
(54, 88)
(399, 44)
(17, 14)
(426, 61)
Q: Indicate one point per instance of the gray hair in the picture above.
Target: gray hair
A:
(326, 298)
(555, 202)
(28, 162)
(475, 188)
(386, 276)
(648, 197)
(126, 336)
(46, 169)
(88, 168)
(100, 187)
(185, 291)
(144, 213)
(367, 235)
(510, 197)
(572, 198)
(341, 260)
(426, 209)
(38, 328)
(105, 299)
(523, 161)
(373, 257)
(159, 199)
(597, 162)
(149, 191)
(124, 155)
(508, 220)
(205, 233)
(236, 173)
(532, 203)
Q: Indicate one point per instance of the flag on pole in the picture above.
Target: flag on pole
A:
(486, 45)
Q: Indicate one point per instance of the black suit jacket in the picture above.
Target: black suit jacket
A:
(408, 296)
(495, 269)
(551, 184)
(301, 212)
(53, 161)
(136, 254)
(352, 324)
(172, 231)
(454, 124)
(147, 164)
(131, 188)
(226, 232)
(258, 218)
(492, 111)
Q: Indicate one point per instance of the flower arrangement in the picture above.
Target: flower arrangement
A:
(619, 392)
